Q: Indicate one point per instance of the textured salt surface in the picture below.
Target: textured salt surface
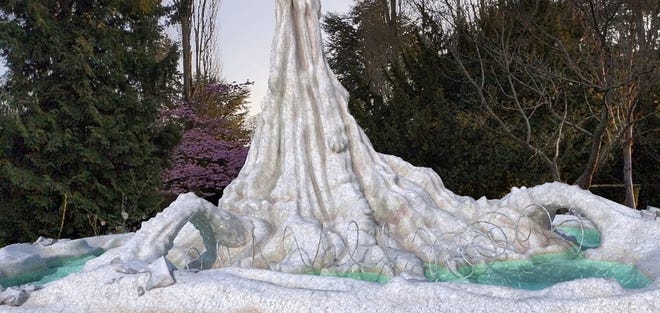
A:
(251, 290)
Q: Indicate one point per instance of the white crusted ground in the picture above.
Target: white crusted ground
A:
(256, 290)
(252, 290)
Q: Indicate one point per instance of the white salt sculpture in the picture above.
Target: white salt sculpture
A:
(314, 196)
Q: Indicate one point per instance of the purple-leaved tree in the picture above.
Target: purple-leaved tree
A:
(212, 150)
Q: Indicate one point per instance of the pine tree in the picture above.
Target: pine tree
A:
(82, 148)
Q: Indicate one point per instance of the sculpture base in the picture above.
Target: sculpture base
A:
(252, 290)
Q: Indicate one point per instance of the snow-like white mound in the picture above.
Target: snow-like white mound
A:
(252, 290)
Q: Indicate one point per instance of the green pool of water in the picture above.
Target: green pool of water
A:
(584, 237)
(540, 272)
(54, 271)
(365, 276)
(536, 273)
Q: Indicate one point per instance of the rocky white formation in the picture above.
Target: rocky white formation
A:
(314, 196)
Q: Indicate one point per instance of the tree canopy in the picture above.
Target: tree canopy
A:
(493, 94)
(81, 145)
(214, 141)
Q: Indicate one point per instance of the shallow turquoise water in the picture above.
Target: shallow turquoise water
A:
(585, 238)
(536, 273)
(55, 271)
(546, 270)
(364, 276)
(541, 272)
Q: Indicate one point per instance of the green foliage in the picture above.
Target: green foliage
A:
(215, 99)
(344, 49)
(422, 115)
(82, 143)
(507, 93)
(556, 80)
(524, 101)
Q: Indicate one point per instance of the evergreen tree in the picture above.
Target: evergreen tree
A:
(345, 57)
(421, 116)
(81, 147)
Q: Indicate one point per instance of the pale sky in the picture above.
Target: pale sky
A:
(246, 32)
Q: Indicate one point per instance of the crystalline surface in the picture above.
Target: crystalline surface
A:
(314, 196)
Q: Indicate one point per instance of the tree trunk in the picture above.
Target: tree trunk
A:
(594, 161)
(185, 14)
(627, 167)
(205, 13)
